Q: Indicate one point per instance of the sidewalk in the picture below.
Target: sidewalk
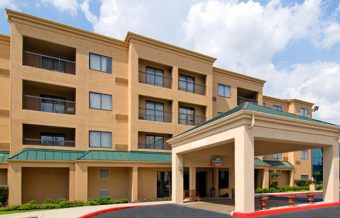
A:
(74, 212)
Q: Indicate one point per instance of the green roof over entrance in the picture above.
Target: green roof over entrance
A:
(126, 156)
(47, 154)
(248, 106)
(273, 163)
(4, 156)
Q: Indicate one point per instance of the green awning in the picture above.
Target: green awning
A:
(47, 154)
(279, 164)
(259, 162)
(4, 156)
(126, 156)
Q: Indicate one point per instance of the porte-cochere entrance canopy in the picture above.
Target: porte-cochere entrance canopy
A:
(247, 131)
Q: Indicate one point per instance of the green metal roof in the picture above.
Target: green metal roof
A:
(279, 164)
(126, 156)
(259, 162)
(4, 156)
(47, 154)
(248, 106)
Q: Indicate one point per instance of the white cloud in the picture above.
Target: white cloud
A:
(8, 4)
(116, 17)
(331, 35)
(63, 5)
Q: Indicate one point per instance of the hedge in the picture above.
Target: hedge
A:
(282, 189)
(62, 203)
(3, 195)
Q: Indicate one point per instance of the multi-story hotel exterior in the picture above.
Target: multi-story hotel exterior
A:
(84, 115)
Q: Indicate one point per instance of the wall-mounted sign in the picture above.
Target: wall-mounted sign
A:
(216, 161)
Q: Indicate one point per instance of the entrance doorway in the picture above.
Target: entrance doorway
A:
(201, 184)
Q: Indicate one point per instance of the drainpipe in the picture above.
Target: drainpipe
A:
(252, 121)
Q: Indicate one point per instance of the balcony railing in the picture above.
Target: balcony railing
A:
(241, 100)
(51, 105)
(155, 115)
(190, 119)
(154, 79)
(31, 141)
(192, 87)
(49, 63)
(154, 146)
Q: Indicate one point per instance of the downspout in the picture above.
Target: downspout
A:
(252, 121)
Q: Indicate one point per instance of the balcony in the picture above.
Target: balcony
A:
(244, 95)
(190, 119)
(192, 82)
(155, 115)
(241, 100)
(147, 140)
(164, 146)
(49, 56)
(48, 98)
(48, 135)
(154, 79)
(49, 63)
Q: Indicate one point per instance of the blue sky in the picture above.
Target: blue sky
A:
(293, 45)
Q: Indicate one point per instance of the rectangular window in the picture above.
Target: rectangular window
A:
(304, 155)
(100, 63)
(224, 90)
(186, 115)
(277, 107)
(304, 177)
(52, 139)
(154, 76)
(154, 142)
(223, 179)
(100, 101)
(163, 184)
(186, 83)
(154, 111)
(100, 139)
(304, 112)
(277, 156)
(104, 173)
(104, 193)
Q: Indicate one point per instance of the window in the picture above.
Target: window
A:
(163, 184)
(154, 76)
(100, 139)
(52, 139)
(154, 111)
(186, 83)
(304, 155)
(304, 112)
(277, 156)
(104, 173)
(104, 193)
(100, 101)
(278, 108)
(52, 104)
(100, 63)
(223, 179)
(224, 90)
(186, 115)
(304, 177)
(154, 142)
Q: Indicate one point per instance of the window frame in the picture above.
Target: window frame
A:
(188, 121)
(154, 141)
(100, 57)
(304, 155)
(302, 110)
(224, 89)
(154, 75)
(277, 107)
(277, 156)
(102, 190)
(101, 101)
(100, 143)
(48, 134)
(155, 110)
(225, 186)
(109, 173)
(165, 182)
(185, 80)
(304, 179)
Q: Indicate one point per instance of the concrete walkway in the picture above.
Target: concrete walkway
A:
(74, 212)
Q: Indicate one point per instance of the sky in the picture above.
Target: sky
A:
(293, 45)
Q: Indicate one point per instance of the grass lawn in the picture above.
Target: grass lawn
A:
(18, 211)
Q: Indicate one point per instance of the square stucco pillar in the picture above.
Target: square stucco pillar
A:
(81, 178)
(14, 184)
(192, 179)
(265, 179)
(331, 173)
(177, 178)
(291, 178)
(231, 182)
(244, 171)
(134, 184)
(72, 183)
(215, 184)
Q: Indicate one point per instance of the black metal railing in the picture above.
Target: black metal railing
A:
(190, 119)
(188, 86)
(51, 105)
(241, 100)
(49, 63)
(154, 79)
(164, 146)
(155, 115)
(32, 141)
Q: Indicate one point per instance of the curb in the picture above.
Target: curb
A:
(95, 213)
(285, 210)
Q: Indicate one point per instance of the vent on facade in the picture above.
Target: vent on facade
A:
(214, 98)
(297, 162)
(285, 158)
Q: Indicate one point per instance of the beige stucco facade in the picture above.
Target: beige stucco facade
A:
(23, 121)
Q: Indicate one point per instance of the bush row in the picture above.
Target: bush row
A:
(62, 203)
(282, 189)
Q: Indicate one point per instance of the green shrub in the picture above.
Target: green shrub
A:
(92, 201)
(3, 195)
(318, 186)
(105, 200)
(302, 183)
